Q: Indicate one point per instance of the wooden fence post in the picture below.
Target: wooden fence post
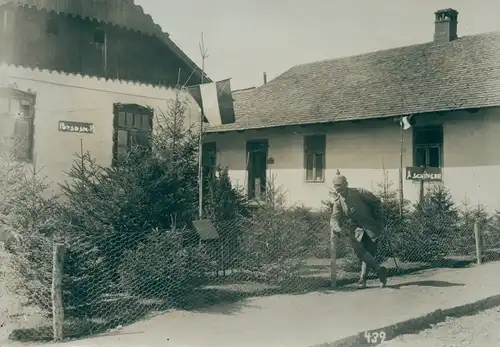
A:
(257, 189)
(333, 259)
(57, 297)
(479, 243)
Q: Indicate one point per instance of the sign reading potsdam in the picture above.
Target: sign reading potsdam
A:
(76, 127)
(424, 174)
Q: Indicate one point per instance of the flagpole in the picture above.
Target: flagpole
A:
(204, 55)
(401, 153)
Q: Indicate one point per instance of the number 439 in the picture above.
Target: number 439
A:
(375, 337)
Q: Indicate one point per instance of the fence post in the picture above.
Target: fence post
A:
(333, 259)
(257, 189)
(479, 244)
(57, 299)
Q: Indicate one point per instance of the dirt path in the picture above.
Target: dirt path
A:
(482, 330)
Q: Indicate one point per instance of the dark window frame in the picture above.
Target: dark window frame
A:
(209, 159)
(431, 148)
(314, 150)
(136, 122)
(52, 26)
(99, 36)
(24, 148)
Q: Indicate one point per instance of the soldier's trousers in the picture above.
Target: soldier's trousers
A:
(366, 250)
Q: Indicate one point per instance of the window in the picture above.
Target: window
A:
(52, 25)
(133, 125)
(17, 113)
(23, 132)
(427, 146)
(99, 36)
(209, 159)
(314, 148)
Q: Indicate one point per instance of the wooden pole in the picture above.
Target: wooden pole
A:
(333, 259)
(57, 297)
(479, 246)
(401, 153)
(200, 139)
(421, 195)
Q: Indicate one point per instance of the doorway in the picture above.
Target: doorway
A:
(256, 155)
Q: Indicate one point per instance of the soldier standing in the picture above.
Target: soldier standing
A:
(357, 213)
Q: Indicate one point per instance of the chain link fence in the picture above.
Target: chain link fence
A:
(131, 250)
(111, 280)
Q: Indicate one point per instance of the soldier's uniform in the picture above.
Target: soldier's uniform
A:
(357, 214)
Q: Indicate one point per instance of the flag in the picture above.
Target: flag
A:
(405, 122)
(215, 100)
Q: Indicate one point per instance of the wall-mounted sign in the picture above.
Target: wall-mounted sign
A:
(76, 127)
(424, 174)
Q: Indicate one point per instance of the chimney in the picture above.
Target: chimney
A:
(265, 78)
(445, 25)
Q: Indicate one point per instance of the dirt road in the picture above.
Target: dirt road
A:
(482, 330)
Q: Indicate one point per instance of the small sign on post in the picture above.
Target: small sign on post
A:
(206, 230)
(416, 173)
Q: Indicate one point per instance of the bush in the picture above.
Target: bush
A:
(108, 218)
(431, 228)
(227, 209)
(28, 220)
(464, 241)
(276, 242)
(162, 267)
(492, 233)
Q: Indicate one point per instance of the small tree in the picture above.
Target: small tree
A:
(432, 227)
(274, 245)
(29, 222)
(464, 240)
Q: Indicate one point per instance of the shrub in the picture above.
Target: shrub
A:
(431, 228)
(274, 246)
(28, 220)
(227, 208)
(395, 224)
(162, 267)
(492, 233)
(463, 243)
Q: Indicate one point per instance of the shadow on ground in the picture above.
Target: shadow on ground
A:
(436, 284)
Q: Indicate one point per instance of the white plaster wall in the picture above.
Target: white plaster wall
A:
(81, 99)
(362, 149)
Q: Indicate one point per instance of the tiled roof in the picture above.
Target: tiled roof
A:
(429, 77)
(123, 13)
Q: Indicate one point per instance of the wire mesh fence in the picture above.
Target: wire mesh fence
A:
(132, 251)
(114, 279)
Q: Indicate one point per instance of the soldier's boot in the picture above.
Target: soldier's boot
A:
(362, 283)
(363, 276)
(382, 275)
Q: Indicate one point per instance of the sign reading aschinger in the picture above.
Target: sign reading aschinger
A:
(76, 127)
(424, 174)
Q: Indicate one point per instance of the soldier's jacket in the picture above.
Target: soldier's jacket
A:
(360, 209)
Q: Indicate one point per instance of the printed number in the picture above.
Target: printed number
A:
(375, 337)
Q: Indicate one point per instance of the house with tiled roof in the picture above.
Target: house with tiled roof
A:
(346, 114)
(88, 72)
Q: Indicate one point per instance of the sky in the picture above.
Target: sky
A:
(245, 38)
